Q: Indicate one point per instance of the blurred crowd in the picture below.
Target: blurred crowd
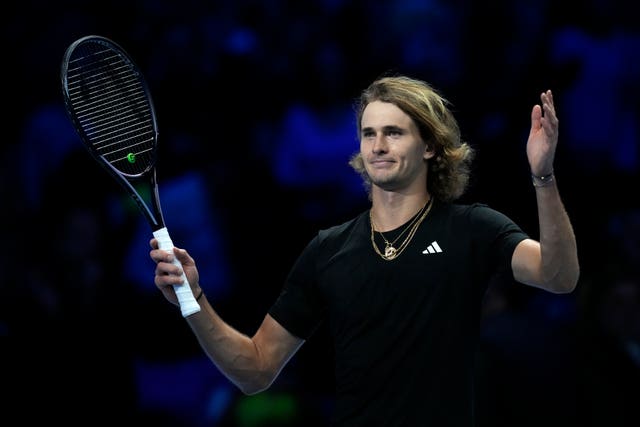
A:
(256, 127)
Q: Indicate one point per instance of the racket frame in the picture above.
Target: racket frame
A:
(153, 214)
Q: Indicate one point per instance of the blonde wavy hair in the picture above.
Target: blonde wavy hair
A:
(450, 167)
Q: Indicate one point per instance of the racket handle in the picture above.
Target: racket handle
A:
(188, 303)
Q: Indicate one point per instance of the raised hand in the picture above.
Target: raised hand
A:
(543, 136)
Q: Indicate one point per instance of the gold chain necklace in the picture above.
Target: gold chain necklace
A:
(389, 248)
(390, 251)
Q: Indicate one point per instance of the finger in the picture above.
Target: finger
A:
(547, 102)
(183, 256)
(550, 113)
(153, 243)
(158, 255)
(168, 274)
(164, 267)
(550, 116)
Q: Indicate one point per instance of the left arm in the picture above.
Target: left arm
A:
(552, 263)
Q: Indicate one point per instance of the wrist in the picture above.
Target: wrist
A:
(543, 180)
(200, 294)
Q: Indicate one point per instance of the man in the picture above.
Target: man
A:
(401, 284)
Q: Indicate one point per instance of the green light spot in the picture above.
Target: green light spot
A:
(131, 157)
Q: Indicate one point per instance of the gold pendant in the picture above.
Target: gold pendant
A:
(390, 252)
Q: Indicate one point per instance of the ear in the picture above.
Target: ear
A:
(429, 152)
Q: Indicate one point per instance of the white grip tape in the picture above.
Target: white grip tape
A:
(188, 303)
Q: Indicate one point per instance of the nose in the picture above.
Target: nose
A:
(379, 144)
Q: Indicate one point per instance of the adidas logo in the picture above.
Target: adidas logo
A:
(432, 248)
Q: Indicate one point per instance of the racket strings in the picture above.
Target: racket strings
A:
(112, 107)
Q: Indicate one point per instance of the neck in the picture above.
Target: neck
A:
(390, 210)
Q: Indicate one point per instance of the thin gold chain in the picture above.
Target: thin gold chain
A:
(390, 251)
(416, 217)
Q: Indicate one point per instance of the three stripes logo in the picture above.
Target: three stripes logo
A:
(432, 248)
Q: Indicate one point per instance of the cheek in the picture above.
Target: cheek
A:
(363, 144)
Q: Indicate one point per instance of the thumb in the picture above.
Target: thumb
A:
(536, 117)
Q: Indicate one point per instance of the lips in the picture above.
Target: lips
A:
(381, 163)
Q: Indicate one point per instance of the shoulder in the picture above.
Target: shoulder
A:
(478, 216)
(335, 239)
(461, 211)
(341, 231)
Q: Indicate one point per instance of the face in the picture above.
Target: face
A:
(393, 152)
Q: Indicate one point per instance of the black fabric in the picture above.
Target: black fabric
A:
(404, 331)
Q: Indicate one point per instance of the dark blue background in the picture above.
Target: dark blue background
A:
(256, 127)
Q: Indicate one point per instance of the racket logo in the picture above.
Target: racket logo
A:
(131, 157)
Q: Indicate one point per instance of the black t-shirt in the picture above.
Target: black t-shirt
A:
(404, 331)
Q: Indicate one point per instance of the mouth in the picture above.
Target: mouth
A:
(381, 163)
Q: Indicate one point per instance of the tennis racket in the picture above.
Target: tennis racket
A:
(110, 105)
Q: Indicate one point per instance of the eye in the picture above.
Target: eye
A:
(394, 132)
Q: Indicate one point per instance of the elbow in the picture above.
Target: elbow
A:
(256, 373)
(251, 389)
(564, 283)
(258, 383)
(564, 288)
(571, 282)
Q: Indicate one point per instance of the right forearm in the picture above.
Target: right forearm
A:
(234, 354)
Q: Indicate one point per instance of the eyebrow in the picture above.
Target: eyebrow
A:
(386, 128)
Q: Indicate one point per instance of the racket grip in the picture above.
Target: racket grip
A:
(188, 303)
